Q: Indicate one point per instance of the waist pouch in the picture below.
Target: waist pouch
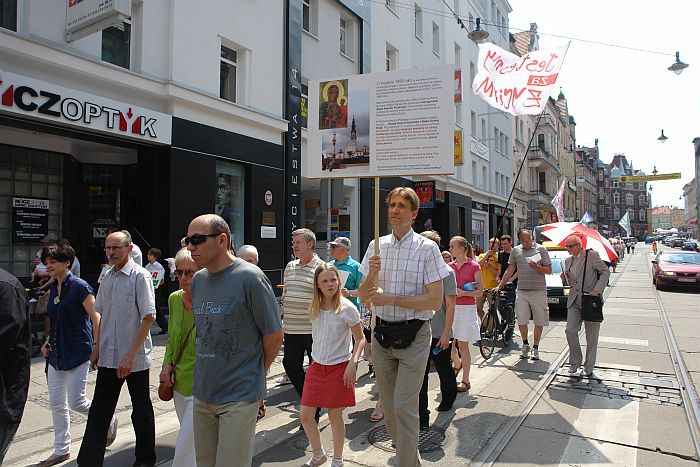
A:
(397, 335)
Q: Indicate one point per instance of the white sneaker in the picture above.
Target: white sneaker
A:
(282, 380)
(574, 371)
(525, 352)
(535, 354)
(315, 461)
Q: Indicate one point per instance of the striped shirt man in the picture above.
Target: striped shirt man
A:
(298, 292)
(408, 265)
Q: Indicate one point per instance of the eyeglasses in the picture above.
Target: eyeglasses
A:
(198, 239)
(184, 272)
(112, 248)
(572, 245)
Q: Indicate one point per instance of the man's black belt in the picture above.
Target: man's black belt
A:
(382, 322)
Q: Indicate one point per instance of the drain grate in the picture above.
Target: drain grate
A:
(429, 439)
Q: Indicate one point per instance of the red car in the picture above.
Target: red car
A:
(676, 268)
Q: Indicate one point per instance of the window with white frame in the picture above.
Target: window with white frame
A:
(484, 132)
(391, 60)
(600, 176)
(506, 146)
(436, 39)
(228, 74)
(116, 45)
(614, 182)
(642, 199)
(498, 182)
(391, 4)
(418, 22)
(601, 195)
(631, 213)
(616, 198)
(629, 199)
(475, 178)
(472, 72)
(8, 14)
(343, 36)
(306, 15)
(642, 214)
(485, 178)
(458, 57)
(616, 213)
(473, 123)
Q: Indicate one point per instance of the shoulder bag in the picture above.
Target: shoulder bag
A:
(591, 306)
(165, 393)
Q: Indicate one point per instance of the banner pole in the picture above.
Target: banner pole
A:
(376, 223)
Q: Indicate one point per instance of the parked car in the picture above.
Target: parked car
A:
(668, 240)
(677, 242)
(676, 268)
(557, 292)
(649, 240)
(690, 246)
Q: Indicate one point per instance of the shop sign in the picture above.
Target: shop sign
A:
(268, 232)
(30, 220)
(426, 193)
(268, 218)
(84, 17)
(458, 148)
(477, 206)
(33, 98)
(268, 198)
(500, 211)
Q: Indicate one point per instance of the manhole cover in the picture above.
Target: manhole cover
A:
(429, 439)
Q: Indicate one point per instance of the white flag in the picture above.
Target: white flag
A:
(518, 85)
(558, 202)
(587, 218)
(625, 223)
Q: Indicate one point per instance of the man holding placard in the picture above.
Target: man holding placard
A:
(532, 263)
(408, 272)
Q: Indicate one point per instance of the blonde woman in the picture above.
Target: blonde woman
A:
(181, 376)
(465, 327)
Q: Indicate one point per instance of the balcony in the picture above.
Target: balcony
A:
(541, 158)
(541, 197)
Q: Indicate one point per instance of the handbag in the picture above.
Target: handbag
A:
(165, 393)
(591, 306)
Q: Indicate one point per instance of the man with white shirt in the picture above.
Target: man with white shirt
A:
(409, 270)
(126, 303)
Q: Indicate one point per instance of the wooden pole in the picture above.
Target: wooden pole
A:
(376, 223)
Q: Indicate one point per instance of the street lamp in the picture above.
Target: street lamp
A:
(663, 137)
(478, 35)
(678, 66)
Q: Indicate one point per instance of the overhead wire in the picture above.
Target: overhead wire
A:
(462, 20)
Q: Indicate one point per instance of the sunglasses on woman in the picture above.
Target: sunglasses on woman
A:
(198, 239)
(184, 272)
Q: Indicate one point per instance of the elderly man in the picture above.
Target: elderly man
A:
(239, 334)
(126, 303)
(15, 357)
(532, 263)
(249, 254)
(296, 298)
(409, 270)
(586, 274)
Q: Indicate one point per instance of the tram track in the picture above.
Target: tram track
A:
(500, 440)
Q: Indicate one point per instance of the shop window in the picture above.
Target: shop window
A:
(478, 235)
(230, 199)
(228, 74)
(31, 174)
(116, 45)
(8, 14)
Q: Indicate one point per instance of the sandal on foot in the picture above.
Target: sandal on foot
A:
(377, 414)
(457, 369)
(464, 386)
(261, 410)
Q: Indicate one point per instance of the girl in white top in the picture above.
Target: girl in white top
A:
(330, 379)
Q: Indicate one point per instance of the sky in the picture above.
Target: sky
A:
(625, 97)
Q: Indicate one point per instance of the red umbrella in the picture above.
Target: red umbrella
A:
(560, 231)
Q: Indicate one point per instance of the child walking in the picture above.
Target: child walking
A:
(330, 380)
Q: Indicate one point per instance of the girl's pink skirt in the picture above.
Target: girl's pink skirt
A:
(324, 387)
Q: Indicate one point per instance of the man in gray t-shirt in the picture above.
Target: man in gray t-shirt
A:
(441, 325)
(239, 334)
(532, 263)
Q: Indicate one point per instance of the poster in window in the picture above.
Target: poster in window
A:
(426, 193)
(230, 199)
(30, 219)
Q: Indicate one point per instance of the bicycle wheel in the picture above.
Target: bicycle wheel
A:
(489, 335)
(508, 324)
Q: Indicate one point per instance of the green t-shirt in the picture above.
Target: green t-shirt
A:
(180, 323)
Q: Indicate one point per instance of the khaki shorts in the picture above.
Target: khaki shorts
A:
(531, 303)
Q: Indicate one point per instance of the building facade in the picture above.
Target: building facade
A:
(625, 197)
(588, 197)
(661, 218)
(690, 220)
(168, 111)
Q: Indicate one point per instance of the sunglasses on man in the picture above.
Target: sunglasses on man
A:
(198, 239)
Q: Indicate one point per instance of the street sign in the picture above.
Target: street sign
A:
(648, 178)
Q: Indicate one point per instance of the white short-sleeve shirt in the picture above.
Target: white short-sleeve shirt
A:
(332, 338)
